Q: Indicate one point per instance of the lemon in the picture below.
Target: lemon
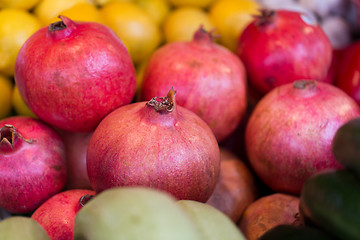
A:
(24, 4)
(157, 9)
(16, 26)
(47, 10)
(86, 12)
(197, 3)
(19, 105)
(139, 32)
(5, 96)
(231, 17)
(183, 22)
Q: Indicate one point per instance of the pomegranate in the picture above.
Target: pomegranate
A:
(57, 214)
(32, 164)
(268, 212)
(348, 77)
(155, 144)
(281, 46)
(76, 144)
(72, 74)
(289, 134)
(210, 79)
(236, 187)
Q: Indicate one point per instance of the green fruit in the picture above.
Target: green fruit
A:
(133, 213)
(331, 200)
(211, 222)
(290, 232)
(346, 145)
(20, 228)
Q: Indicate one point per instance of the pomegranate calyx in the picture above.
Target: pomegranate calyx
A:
(265, 18)
(9, 136)
(57, 26)
(163, 103)
(201, 35)
(302, 84)
(84, 199)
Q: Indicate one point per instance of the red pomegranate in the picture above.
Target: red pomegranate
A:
(289, 134)
(209, 78)
(281, 46)
(57, 214)
(348, 71)
(32, 164)
(72, 74)
(155, 144)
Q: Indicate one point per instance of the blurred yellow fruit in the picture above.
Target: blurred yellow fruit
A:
(19, 105)
(47, 10)
(157, 9)
(139, 32)
(194, 3)
(182, 23)
(24, 4)
(16, 26)
(231, 17)
(5, 96)
(103, 2)
(86, 12)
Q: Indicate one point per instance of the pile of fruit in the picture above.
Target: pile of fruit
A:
(179, 119)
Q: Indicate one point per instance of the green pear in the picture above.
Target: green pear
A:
(211, 222)
(20, 227)
(133, 213)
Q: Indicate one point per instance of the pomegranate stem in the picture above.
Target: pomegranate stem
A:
(163, 103)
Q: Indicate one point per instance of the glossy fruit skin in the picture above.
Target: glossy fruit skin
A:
(32, 170)
(347, 77)
(172, 151)
(57, 214)
(282, 46)
(289, 134)
(88, 73)
(330, 201)
(210, 81)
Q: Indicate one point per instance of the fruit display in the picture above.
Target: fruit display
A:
(179, 119)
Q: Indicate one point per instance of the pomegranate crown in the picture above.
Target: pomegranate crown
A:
(163, 103)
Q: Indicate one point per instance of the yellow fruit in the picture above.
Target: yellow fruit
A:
(19, 105)
(139, 32)
(231, 17)
(5, 96)
(183, 22)
(16, 26)
(103, 2)
(157, 9)
(194, 3)
(47, 10)
(24, 4)
(86, 12)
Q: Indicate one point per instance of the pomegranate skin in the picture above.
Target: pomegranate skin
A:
(348, 78)
(289, 134)
(32, 166)
(282, 46)
(72, 77)
(57, 214)
(210, 80)
(137, 146)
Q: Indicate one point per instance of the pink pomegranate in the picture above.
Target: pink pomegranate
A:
(72, 74)
(155, 144)
(57, 214)
(289, 134)
(32, 164)
(281, 46)
(210, 81)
